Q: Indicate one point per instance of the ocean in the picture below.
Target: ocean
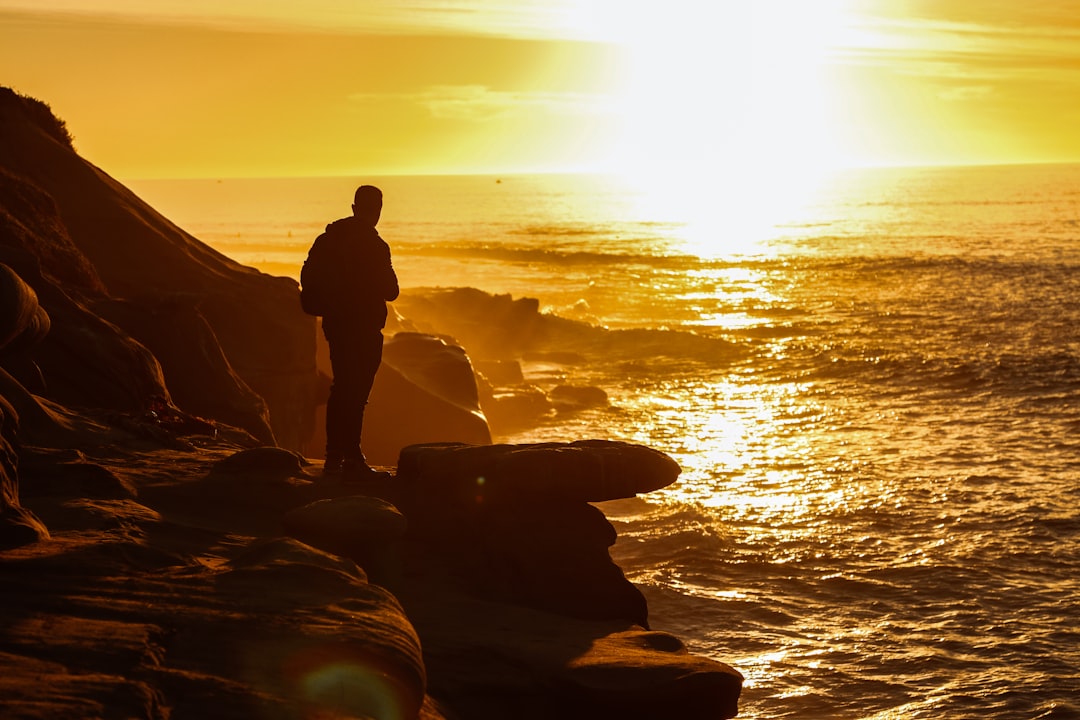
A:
(870, 378)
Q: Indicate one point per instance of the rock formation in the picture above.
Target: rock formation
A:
(158, 564)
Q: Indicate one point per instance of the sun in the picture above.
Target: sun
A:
(736, 86)
(728, 109)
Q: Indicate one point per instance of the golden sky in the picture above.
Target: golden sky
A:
(213, 88)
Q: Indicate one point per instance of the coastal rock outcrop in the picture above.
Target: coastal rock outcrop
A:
(167, 590)
(514, 521)
(507, 574)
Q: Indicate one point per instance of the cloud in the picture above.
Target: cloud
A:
(968, 92)
(982, 45)
(479, 103)
(536, 19)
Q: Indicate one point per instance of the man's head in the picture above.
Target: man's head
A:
(367, 204)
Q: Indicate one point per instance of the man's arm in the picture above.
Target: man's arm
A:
(389, 281)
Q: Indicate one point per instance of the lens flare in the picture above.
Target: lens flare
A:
(343, 681)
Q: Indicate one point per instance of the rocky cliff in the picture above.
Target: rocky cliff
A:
(147, 318)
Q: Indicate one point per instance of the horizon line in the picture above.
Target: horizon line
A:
(593, 172)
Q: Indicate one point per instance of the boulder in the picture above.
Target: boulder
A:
(641, 674)
(246, 492)
(425, 391)
(501, 373)
(519, 407)
(345, 524)
(578, 397)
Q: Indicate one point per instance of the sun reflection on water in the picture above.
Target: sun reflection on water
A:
(729, 297)
(731, 214)
(748, 449)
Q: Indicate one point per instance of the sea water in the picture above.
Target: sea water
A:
(871, 382)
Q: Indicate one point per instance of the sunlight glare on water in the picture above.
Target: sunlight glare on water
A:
(730, 215)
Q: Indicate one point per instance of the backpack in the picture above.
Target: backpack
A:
(314, 295)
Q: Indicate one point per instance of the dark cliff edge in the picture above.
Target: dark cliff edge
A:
(167, 551)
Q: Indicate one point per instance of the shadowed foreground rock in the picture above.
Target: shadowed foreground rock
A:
(166, 591)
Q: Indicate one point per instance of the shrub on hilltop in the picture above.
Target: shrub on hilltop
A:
(39, 113)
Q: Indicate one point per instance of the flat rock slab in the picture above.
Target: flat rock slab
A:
(584, 470)
(638, 673)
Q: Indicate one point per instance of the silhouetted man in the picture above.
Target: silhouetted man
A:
(348, 279)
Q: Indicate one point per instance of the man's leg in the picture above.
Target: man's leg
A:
(344, 363)
(368, 357)
(354, 360)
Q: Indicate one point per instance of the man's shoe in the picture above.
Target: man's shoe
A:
(333, 467)
(359, 471)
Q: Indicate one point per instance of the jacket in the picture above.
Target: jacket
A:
(349, 267)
